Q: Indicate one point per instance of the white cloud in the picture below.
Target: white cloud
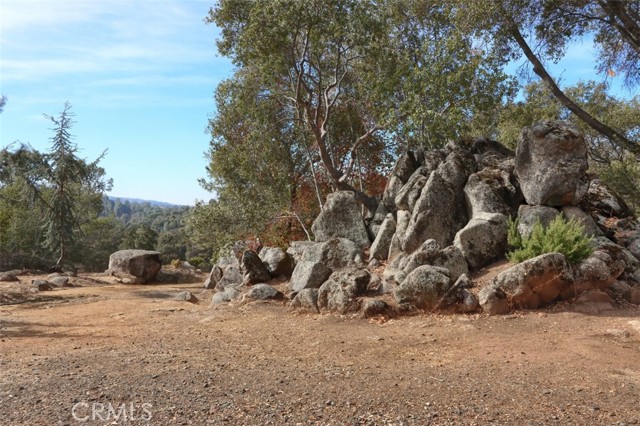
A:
(43, 39)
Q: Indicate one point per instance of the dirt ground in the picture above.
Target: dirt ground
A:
(106, 353)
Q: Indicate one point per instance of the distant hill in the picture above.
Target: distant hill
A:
(141, 201)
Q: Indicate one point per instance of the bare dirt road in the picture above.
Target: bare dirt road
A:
(107, 354)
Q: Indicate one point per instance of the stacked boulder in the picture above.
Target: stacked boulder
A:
(330, 273)
(444, 220)
(232, 278)
(551, 167)
(444, 215)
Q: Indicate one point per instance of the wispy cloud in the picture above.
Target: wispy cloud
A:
(42, 39)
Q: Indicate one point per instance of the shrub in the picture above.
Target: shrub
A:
(561, 236)
(196, 261)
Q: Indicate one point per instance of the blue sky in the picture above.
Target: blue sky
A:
(140, 75)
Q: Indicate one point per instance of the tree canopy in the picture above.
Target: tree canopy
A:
(326, 93)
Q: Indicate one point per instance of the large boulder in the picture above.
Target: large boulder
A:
(374, 223)
(8, 277)
(449, 258)
(425, 287)
(341, 291)
(439, 212)
(135, 266)
(529, 215)
(402, 171)
(483, 239)
(631, 272)
(277, 261)
(391, 191)
(231, 278)
(410, 192)
(551, 164)
(527, 285)
(341, 217)
(598, 271)
(296, 249)
(489, 153)
(492, 190)
(254, 270)
(602, 202)
(405, 166)
(309, 275)
(380, 246)
(335, 253)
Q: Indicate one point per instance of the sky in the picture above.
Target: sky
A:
(140, 76)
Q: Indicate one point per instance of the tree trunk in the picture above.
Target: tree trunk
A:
(613, 135)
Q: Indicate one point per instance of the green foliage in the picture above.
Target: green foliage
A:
(623, 176)
(561, 236)
(323, 97)
(514, 239)
(139, 237)
(47, 199)
(100, 237)
(200, 263)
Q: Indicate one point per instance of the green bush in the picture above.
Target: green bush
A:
(561, 236)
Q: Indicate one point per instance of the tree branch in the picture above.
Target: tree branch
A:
(540, 70)
(352, 152)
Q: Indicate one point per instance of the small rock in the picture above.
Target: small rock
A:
(374, 307)
(306, 300)
(186, 296)
(59, 281)
(8, 277)
(263, 292)
(41, 285)
(616, 332)
(226, 296)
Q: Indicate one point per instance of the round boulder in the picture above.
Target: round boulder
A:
(135, 266)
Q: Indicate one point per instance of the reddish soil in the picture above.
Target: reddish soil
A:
(103, 344)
